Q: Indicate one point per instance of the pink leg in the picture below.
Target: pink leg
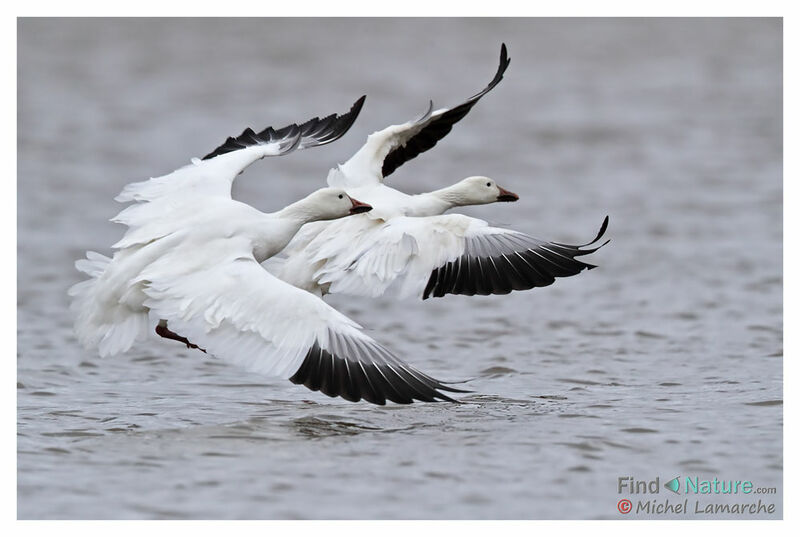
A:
(165, 332)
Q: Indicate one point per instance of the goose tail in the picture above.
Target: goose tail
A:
(101, 322)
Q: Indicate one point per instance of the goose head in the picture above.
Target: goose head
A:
(331, 203)
(479, 190)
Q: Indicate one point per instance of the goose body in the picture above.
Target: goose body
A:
(189, 266)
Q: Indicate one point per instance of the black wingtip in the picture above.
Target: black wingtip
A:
(346, 120)
(600, 233)
(498, 76)
(447, 388)
(386, 379)
(356, 108)
(599, 236)
(504, 61)
(593, 250)
(312, 133)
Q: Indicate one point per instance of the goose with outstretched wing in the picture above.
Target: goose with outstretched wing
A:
(188, 268)
(406, 246)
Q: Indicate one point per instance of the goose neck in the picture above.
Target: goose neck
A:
(298, 211)
(437, 202)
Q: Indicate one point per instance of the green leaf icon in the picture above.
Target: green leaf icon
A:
(673, 485)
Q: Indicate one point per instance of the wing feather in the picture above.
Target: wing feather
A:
(439, 124)
(435, 256)
(312, 133)
(222, 300)
(508, 261)
(388, 149)
(214, 174)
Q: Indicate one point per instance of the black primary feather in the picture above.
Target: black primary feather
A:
(384, 378)
(506, 270)
(442, 125)
(312, 133)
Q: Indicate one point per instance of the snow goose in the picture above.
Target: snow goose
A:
(405, 247)
(189, 265)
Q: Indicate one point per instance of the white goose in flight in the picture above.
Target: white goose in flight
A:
(189, 265)
(405, 246)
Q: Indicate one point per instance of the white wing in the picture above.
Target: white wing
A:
(388, 149)
(213, 175)
(221, 299)
(438, 255)
(173, 201)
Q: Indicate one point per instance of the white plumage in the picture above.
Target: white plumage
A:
(401, 247)
(189, 266)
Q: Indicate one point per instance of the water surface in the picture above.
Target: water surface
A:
(665, 361)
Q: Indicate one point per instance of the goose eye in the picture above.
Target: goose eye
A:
(341, 196)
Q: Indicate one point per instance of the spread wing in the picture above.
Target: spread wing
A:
(214, 174)
(388, 149)
(221, 299)
(312, 133)
(439, 255)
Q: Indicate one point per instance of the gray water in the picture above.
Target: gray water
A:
(665, 361)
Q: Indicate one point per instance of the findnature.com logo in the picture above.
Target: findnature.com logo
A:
(690, 486)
